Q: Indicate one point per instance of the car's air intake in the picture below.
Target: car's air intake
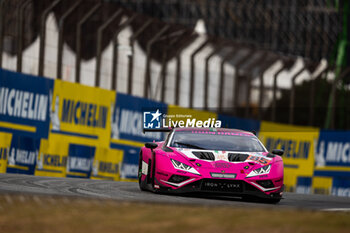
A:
(204, 155)
(235, 157)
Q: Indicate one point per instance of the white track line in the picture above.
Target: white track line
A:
(337, 210)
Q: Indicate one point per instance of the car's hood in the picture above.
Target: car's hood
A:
(228, 156)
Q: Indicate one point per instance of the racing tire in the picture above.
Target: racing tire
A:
(141, 183)
(272, 201)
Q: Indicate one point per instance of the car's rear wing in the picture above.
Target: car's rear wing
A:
(158, 130)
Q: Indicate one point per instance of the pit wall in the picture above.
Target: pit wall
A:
(62, 129)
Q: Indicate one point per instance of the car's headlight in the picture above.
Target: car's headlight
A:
(260, 171)
(184, 167)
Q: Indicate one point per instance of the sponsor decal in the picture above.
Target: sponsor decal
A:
(219, 133)
(222, 165)
(258, 159)
(221, 157)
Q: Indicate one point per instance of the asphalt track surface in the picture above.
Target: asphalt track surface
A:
(129, 191)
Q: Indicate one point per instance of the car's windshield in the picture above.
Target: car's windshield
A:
(216, 141)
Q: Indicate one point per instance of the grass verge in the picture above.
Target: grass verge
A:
(36, 214)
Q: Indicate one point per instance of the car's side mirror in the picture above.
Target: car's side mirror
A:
(151, 145)
(277, 152)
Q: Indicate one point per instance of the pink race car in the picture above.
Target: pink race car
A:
(212, 160)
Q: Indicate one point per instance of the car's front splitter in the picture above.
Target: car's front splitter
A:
(221, 187)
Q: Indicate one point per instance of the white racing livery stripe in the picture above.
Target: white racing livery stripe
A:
(144, 168)
(179, 184)
(264, 189)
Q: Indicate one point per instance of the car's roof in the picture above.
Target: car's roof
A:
(215, 129)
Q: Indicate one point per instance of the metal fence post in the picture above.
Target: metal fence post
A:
(2, 26)
(43, 36)
(312, 96)
(333, 93)
(148, 61)
(292, 94)
(20, 36)
(178, 68)
(165, 68)
(115, 51)
(226, 58)
(262, 86)
(237, 77)
(60, 37)
(262, 57)
(275, 76)
(131, 57)
(99, 45)
(193, 55)
(78, 39)
(206, 78)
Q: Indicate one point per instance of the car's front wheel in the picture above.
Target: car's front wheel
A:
(142, 184)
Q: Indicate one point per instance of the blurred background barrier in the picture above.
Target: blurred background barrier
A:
(281, 69)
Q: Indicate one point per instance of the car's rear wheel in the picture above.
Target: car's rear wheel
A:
(142, 184)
